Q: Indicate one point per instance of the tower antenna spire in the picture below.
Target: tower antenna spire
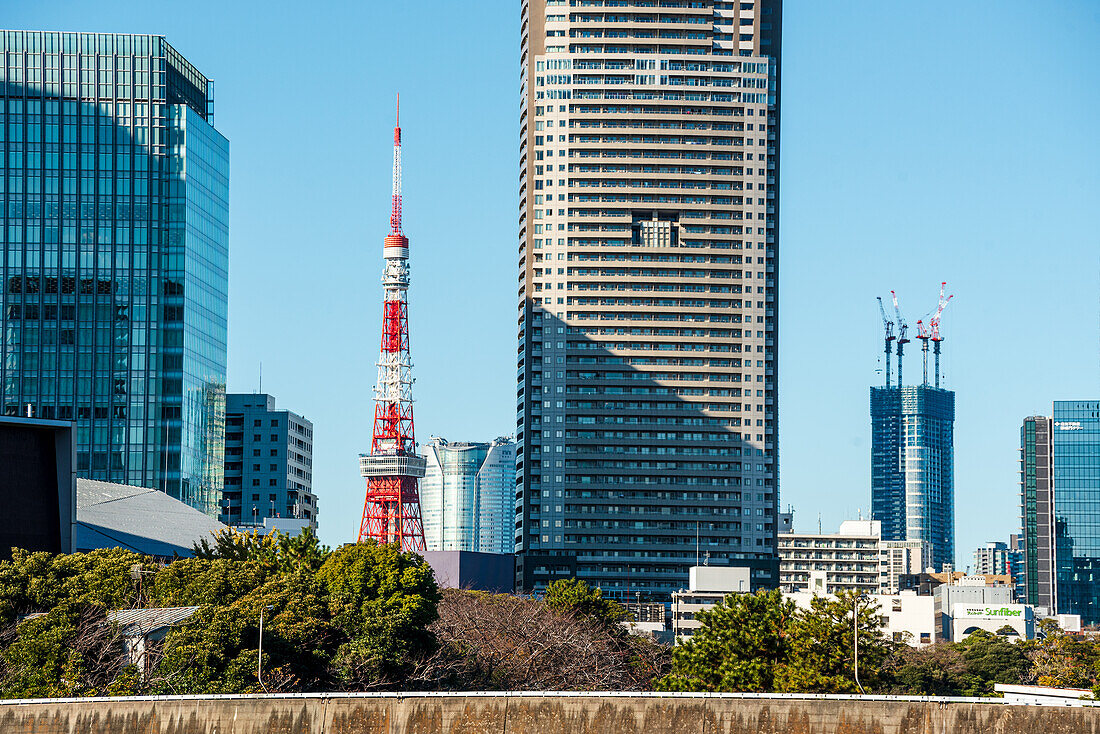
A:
(391, 512)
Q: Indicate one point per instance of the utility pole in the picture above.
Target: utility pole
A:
(855, 637)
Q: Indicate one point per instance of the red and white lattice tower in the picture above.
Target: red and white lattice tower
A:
(391, 513)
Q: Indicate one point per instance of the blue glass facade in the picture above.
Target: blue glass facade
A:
(115, 255)
(1076, 458)
(913, 466)
(467, 496)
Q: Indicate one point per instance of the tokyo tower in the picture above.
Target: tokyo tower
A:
(391, 513)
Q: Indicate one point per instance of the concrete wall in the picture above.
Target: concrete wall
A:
(535, 714)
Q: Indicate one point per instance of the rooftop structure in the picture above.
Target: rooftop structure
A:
(143, 520)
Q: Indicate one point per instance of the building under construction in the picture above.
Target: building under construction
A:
(912, 442)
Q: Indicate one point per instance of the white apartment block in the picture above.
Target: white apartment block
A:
(855, 557)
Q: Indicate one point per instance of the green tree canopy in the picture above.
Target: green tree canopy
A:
(353, 618)
(381, 601)
(575, 596)
(822, 653)
(742, 646)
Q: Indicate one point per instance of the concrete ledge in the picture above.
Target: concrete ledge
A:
(540, 713)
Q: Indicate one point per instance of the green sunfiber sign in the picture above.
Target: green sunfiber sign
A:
(1005, 611)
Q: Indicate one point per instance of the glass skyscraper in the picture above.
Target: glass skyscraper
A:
(1076, 460)
(1037, 511)
(115, 255)
(648, 292)
(466, 496)
(913, 466)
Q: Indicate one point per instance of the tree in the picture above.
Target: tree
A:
(63, 646)
(216, 650)
(742, 646)
(935, 670)
(355, 618)
(69, 651)
(993, 659)
(821, 646)
(274, 552)
(1064, 661)
(574, 596)
(40, 581)
(506, 642)
(381, 601)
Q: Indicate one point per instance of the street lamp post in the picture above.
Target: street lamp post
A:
(855, 637)
(260, 649)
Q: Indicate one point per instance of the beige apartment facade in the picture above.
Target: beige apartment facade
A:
(647, 409)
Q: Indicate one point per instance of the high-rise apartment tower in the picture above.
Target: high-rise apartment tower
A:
(648, 292)
(114, 229)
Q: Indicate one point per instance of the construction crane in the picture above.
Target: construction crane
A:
(888, 326)
(934, 323)
(903, 330)
(923, 333)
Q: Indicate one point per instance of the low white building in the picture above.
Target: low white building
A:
(967, 604)
(965, 619)
(707, 585)
(906, 617)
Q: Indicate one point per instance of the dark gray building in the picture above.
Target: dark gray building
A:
(459, 569)
(268, 462)
(114, 233)
(37, 485)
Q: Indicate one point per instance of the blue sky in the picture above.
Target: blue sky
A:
(917, 146)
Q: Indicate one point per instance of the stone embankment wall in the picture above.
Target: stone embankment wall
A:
(538, 714)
